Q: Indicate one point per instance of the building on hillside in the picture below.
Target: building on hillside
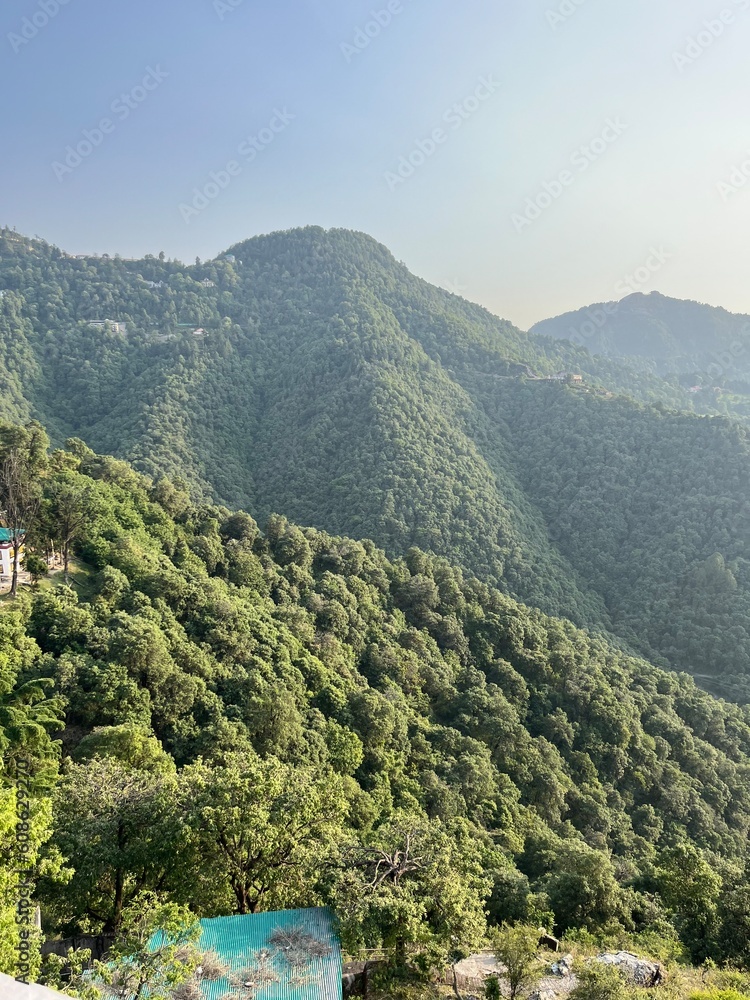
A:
(109, 324)
(284, 955)
(568, 377)
(6, 552)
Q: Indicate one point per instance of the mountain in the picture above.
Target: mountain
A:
(244, 715)
(705, 346)
(310, 373)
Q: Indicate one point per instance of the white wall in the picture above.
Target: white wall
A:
(11, 990)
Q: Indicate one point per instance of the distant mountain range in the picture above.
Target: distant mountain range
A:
(309, 373)
(681, 337)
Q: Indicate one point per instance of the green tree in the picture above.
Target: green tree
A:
(516, 948)
(70, 504)
(582, 888)
(28, 770)
(599, 981)
(414, 891)
(123, 830)
(25, 827)
(690, 888)
(36, 567)
(155, 955)
(23, 452)
(261, 826)
(734, 925)
(492, 989)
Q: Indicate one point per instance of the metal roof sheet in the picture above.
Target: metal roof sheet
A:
(270, 950)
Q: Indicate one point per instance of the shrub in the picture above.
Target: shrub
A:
(516, 948)
(597, 981)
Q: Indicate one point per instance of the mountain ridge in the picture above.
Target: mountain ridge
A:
(314, 375)
(660, 327)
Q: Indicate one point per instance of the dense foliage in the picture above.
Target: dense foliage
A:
(328, 383)
(701, 348)
(256, 720)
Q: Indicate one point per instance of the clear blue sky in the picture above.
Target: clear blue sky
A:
(549, 90)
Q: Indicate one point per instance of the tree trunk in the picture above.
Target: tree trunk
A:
(400, 952)
(66, 562)
(241, 895)
(455, 982)
(16, 559)
(119, 900)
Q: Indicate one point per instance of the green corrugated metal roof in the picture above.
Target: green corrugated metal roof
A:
(6, 535)
(256, 946)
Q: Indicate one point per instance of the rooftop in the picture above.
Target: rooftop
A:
(6, 535)
(286, 955)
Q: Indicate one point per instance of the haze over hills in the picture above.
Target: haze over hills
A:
(700, 342)
(309, 373)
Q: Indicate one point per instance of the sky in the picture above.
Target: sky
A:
(531, 155)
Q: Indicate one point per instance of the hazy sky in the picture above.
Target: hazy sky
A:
(117, 113)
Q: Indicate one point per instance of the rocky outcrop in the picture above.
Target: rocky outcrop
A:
(542, 994)
(563, 966)
(638, 971)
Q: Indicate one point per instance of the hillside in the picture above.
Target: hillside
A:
(707, 349)
(328, 383)
(232, 699)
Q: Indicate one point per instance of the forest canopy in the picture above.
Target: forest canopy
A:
(310, 373)
(202, 689)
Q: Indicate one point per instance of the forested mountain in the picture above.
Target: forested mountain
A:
(706, 348)
(309, 373)
(653, 326)
(244, 714)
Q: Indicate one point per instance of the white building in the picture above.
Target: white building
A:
(6, 553)
(108, 324)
